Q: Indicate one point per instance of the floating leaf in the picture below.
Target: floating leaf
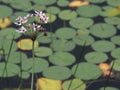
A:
(39, 65)
(81, 39)
(43, 51)
(26, 44)
(45, 2)
(57, 72)
(62, 45)
(103, 30)
(48, 84)
(89, 11)
(87, 71)
(24, 75)
(46, 39)
(112, 20)
(67, 14)
(96, 1)
(103, 46)
(62, 3)
(77, 84)
(11, 69)
(81, 22)
(116, 39)
(53, 10)
(96, 57)
(113, 2)
(116, 53)
(8, 33)
(83, 32)
(65, 33)
(116, 64)
(5, 11)
(62, 58)
(109, 88)
(38, 7)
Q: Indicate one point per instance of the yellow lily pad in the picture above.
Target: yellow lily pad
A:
(48, 84)
(4, 22)
(26, 44)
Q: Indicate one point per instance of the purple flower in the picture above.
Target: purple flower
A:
(21, 30)
(36, 26)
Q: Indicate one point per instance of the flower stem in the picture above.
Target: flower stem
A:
(33, 56)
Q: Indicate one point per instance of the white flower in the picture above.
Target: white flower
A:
(36, 26)
(21, 30)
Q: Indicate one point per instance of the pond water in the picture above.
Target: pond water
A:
(81, 50)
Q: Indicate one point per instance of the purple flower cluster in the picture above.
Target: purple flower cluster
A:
(26, 26)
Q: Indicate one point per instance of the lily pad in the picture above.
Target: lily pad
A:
(96, 57)
(87, 71)
(96, 1)
(45, 2)
(26, 44)
(89, 11)
(46, 39)
(109, 88)
(67, 14)
(5, 11)
(113, 2)
(8, 33)
(103, 46)
(116, 64)
(65, 33)
(62, 58)
(103, 30)
(39, 65)
(83, 32)
(43, 51)
(62, 3)
(11, 70)
(77, 84)
(57, 72)
(53, 10)
(81, 39)
(116, 39)
(81, 22)
(115, 53)
(24, 75)
(112, 20)
(62, 45)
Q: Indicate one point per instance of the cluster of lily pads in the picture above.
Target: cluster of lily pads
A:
(97, 24)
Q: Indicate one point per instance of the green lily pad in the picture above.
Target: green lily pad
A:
(62, 58)
(46, 39)
(81, 22)
(87, 71)
(109, 88)
(89, 11)
(67, 14)
(43, 51)
(103, 30)
(96, 57)
(62, 3)
(5, 11)
(83, 31)
(116, 64)
(65, 33)
(53, 10)
(113, 2)
(96, 1)
(15, 57)
(38, 7)
(116, 39)
(81, 39)
(77, 84)
(11, 69)
(103, 46)
(112, 20)
(45, 2)
(57, 72)
(115, 53)
(8, 33)
(24, 75)
(62, 45)
(39, 65)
